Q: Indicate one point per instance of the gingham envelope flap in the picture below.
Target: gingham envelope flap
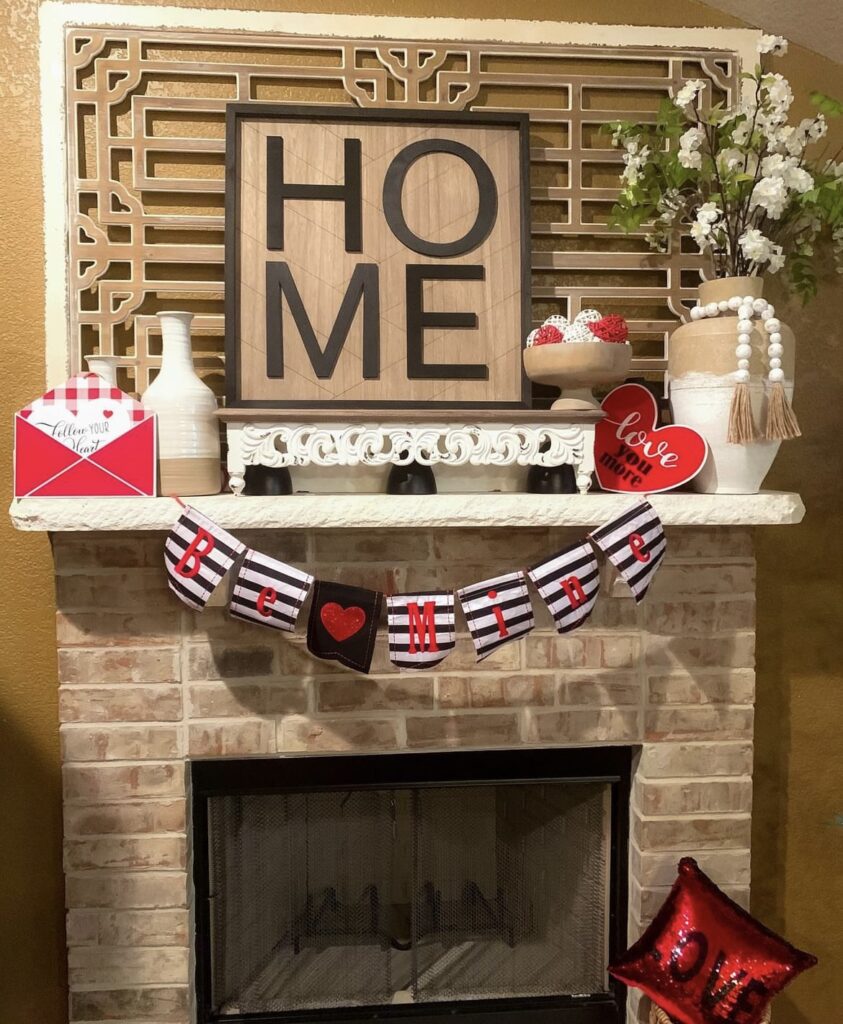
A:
(86, 387)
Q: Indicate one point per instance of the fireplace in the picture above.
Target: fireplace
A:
(154, 696)
(489, 884)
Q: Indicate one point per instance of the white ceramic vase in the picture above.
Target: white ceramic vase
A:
(701, 366)
(105, 367)
(188, 431)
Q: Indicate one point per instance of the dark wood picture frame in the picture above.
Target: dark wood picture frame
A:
(236, 115)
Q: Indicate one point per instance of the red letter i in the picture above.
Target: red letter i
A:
(502, 630)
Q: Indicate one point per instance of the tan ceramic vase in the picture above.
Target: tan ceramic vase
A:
(701, 366)
(185, 408)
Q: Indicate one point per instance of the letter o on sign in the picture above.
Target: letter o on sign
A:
(393, 189)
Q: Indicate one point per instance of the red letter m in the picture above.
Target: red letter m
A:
(420, 626)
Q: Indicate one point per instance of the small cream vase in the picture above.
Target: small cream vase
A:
(105, 367)
(188, 431)
(701, 365)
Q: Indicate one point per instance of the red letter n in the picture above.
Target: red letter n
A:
(574, 591)
(191, 561)
(422, 626)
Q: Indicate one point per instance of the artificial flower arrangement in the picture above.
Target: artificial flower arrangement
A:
(757, 196)
(588, 326)
(743, 178)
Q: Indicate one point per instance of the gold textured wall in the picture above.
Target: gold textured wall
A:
(798, 827)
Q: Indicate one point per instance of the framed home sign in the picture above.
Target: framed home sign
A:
(376, 259)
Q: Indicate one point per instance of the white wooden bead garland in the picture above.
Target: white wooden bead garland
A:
(781, 421)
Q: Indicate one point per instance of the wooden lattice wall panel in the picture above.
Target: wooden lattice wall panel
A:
(146, 147)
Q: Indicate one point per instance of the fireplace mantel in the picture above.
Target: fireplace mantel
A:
(384, 511)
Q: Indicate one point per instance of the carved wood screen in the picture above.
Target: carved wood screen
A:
(145, 116)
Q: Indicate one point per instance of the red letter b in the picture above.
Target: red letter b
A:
(191, 561)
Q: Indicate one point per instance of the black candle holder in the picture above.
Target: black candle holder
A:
(551, 480)
(414, 478)
(268, 480)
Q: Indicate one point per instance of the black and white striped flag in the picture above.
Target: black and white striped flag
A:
(197, 554)
(421, 628)
(497, 611)
(568, 583)
(269, 592)
(635, 543)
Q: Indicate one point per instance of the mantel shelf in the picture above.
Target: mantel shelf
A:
(383, 511)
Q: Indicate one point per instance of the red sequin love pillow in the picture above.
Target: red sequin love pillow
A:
(705, 960)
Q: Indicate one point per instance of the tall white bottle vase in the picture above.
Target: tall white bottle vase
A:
(188, 431)
(105, 367)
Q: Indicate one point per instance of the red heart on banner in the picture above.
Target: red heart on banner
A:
(633, 455)
(341, 622)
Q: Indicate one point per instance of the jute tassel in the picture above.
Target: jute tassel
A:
(782, 424)
(741, 426)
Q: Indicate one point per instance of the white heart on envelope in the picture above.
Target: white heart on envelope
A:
(96, 423)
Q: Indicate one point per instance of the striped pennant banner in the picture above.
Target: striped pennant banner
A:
(568, 583)
(635, 544)
(197, 554)
(497, 611)
(269, 592)
(421, 628)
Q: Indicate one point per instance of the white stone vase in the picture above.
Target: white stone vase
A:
(188, 431)
(105, 367)
(701, 367)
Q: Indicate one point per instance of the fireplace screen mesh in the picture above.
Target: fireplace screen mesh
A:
(375, 897)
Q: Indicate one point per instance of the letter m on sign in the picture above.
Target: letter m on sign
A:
(362, 288)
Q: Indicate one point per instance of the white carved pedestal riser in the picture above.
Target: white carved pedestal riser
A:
(487, 457)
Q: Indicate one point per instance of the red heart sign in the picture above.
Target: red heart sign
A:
(341, 622)
(632, 454)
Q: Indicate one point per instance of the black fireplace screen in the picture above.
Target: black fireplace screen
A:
(391, 895)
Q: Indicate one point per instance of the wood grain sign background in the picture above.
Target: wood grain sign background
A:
(376, 259)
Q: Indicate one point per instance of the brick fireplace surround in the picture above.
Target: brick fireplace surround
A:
(147, 684)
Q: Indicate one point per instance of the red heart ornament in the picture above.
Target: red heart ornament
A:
(341, 622)
(633, 455)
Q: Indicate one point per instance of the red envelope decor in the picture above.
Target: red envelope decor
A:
(632, 454)
(84, 439)
(705, 960)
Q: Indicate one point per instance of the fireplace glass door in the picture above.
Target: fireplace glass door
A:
(410, 892)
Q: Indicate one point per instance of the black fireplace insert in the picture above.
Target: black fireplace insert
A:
(488, 884)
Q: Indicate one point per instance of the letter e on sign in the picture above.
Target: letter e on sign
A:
(376, 259)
